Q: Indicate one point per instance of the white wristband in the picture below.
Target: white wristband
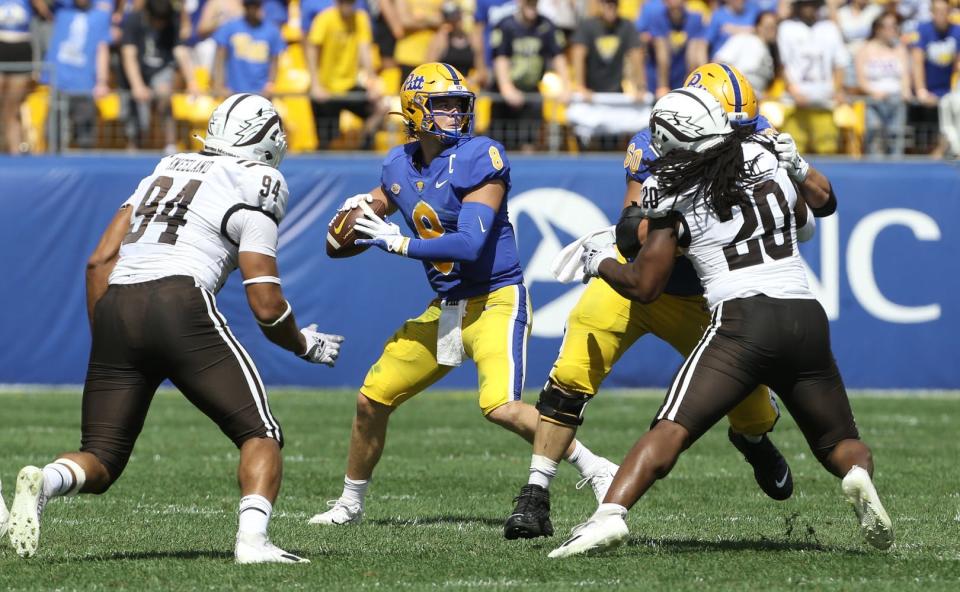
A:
(262, 279)
(281, 319)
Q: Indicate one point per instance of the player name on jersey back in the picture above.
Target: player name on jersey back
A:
(179, 223)
(754, 249)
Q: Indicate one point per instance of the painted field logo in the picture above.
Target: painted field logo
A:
(558, 217)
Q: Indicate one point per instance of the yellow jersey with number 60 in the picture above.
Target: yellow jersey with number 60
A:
(429, 198)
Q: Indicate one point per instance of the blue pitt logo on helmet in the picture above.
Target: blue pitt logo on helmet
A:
(428, 83)
(730, 87)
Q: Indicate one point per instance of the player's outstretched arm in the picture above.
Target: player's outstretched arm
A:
(645, 278)
(104, 258)
(275, 315)
(477, 215)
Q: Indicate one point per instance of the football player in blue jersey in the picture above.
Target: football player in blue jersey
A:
(603, 325)
(450, 187)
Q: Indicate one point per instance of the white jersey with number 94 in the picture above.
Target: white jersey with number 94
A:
(754, 249)
(194, 215)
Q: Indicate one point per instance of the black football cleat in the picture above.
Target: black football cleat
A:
(770, 469)
(531, 516)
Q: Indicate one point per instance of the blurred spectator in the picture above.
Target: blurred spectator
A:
(275, 11)
(150, 52)
(338, 57)
(564, 14)
(247, 52)
(387, 29)
(731, 18)
(814, 64)
(190, 13)
(487, 16)
(16, 57)
(79, 57)
(912, 12)
(216, 13)
(935, 56)
(755, 54)
(452, 45)
(420, 20)
(856, 21)
(883, 74)
(679, 44)
(601, 47)
(524, 45)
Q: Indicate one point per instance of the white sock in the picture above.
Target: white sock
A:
(586, 462)
(57, 480)
(354, 491)
(255, 513)
(542, 471)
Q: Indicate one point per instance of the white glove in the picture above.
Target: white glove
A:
(595, 251)
(795, 165)
(322, 348)
(382, 233)
(354, 201)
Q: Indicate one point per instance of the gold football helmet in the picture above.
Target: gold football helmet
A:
(729, 86)
(428, 82)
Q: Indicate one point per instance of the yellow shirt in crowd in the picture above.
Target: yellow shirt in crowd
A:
(339, 39)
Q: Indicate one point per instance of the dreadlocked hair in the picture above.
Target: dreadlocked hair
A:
(719, 175)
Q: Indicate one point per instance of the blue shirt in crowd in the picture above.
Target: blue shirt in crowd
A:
(655, 21)
(940, 52)
(15, 15)
(72, 53)
(249, 51)
(716, 37)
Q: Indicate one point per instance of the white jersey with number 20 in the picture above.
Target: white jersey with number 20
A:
(754, 250)
(194, 215)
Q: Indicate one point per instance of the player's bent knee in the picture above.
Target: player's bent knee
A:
(562, 407)
(368, 409)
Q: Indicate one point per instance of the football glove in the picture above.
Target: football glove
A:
(795, 165)
(595, 251)
(322, 348)
(354, 201)
(382, 233)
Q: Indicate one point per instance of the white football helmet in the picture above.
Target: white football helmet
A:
(247, 126)
(688, 118)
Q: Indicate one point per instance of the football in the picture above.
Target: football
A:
(340, 233)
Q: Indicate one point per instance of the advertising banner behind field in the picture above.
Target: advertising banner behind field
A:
(885, 268)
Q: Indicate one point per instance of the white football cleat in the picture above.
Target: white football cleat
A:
(257, 548)
(600, 481)
(28, 501)
(4, 517)
(604, 530)
(874, 522)
(339, 514)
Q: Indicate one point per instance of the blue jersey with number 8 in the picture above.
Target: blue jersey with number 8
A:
(430, 197)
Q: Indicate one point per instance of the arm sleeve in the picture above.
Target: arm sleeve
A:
(131, 30)
(318, 29)
(466, 244)
(254, 231)
(500, 42)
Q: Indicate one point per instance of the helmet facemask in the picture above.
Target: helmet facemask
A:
(463, 119)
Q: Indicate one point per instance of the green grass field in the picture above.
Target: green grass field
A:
(446, 483)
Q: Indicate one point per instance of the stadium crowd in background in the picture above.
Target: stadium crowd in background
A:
(842, 76)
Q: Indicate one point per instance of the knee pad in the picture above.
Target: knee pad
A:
(562, 407)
